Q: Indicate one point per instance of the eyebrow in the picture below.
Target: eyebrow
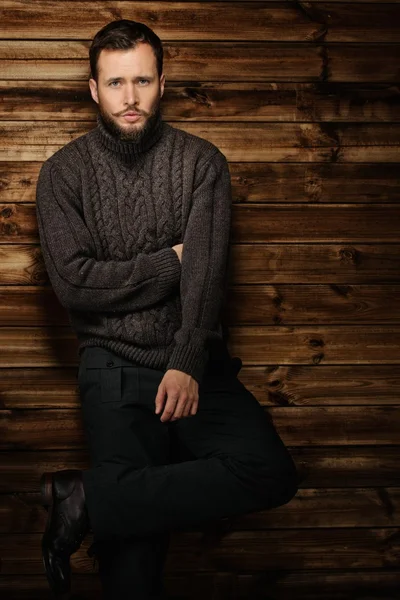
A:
(150, 77)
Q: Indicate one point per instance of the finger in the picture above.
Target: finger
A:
(189, 407)
(186, 409)
(159, 401)
(169, 408)
(194, 406)
(180, 407)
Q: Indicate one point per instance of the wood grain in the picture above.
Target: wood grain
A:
(323, 385)
(245, 305)
(274, 142)
(328, 344)
(314, 263)
(293, 385)
(310, 304)
(260, 182)
(217, 61)
(252, 264)
(341, 507)
(304, 101)
(60, 429)
(318, 466)
(276, 585)
(256, 550)
(278, 21)
(253, 223)
(30, 100)
(307, 223)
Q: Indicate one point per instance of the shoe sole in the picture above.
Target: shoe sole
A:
(46, 492)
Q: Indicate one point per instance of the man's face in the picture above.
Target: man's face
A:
(128, 81)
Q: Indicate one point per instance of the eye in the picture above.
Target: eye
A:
(112, 82)
(144, 80)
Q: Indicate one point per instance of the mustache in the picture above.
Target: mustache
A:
(129, 110)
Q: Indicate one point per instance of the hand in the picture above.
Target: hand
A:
(182, 395)
(178, 249)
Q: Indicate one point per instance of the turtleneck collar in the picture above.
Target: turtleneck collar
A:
(128, 151)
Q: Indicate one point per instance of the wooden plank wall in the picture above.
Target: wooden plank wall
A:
(303, 99)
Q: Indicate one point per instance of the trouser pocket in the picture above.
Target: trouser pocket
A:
(101, 369)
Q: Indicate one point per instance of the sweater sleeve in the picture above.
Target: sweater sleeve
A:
(80, 281)
(204, 267)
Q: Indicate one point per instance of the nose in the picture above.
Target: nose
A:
(130, 95)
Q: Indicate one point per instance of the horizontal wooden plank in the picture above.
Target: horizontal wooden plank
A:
(322, 385)
(272, 386)
(366, 507)
(22, 265)
(18, 181)
(349, 466)
(307, 223)
(39, 387)
(58, 348)
(304, 142)
(18, 222)
(170, 21)
(341, 507)
(318, 467)
(267, 345)
(216, 61)
(306, 426)
(368, 584)
(253, 264)
(31, 305)
(317, 154)
(314, 263)
(298, 304)
(341, 344)
(340, 466)
(287, 585)
(245, 305)
(239, 550)
(260, 182)
(348, 223)
(217, 101)
(278, 21)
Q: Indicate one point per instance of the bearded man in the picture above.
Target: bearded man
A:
(134, 220)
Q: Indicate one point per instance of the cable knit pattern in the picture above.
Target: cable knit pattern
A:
(109, 212)
(177, 180)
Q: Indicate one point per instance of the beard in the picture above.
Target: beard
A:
(136, 134)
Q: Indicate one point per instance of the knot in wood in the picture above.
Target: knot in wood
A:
(348, 255)
(6, 212)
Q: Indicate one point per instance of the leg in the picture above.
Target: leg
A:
(231, 427)
(122, 433)
(241, 465)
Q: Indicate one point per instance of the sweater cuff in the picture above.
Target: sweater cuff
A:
(168, 266)
(189, 359)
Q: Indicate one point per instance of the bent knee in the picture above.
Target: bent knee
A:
(277, 488)
(288, 487)
(270, 486)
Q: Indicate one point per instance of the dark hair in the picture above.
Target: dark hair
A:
(123, 35)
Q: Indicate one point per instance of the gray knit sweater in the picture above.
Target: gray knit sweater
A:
(109, 212)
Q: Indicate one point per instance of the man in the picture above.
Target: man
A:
(134, 220)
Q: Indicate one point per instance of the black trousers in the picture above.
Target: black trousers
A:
(147, 477)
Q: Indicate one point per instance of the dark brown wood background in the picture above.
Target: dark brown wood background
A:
(303, 99)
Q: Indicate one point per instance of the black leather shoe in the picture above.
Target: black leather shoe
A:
(67, 524)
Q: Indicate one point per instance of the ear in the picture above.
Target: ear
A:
(93, 90)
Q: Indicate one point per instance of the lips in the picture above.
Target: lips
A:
(130, 114)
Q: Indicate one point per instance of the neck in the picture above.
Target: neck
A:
(129, 150)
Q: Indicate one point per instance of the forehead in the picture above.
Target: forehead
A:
(135, 60)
